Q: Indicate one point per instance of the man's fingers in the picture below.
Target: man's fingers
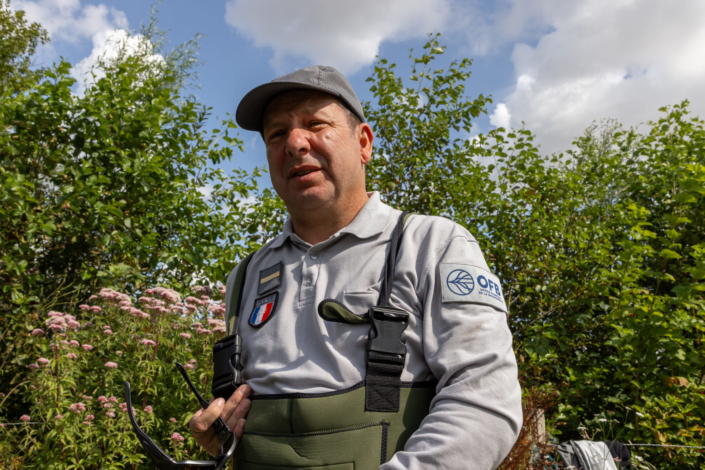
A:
(238, 414)
(235, 401)
(202, 420)
(239, 428)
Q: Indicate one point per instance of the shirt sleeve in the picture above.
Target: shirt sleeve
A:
(476, 415)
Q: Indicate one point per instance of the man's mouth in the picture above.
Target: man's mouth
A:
(302, 173)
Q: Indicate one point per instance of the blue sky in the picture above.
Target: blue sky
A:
(556, 66)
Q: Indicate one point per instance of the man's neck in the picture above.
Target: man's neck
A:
(319, 225)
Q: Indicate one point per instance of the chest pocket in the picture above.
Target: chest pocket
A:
(358, 301)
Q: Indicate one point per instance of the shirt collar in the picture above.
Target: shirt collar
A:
(372, 219)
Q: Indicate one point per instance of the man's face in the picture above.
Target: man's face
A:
(315, 159)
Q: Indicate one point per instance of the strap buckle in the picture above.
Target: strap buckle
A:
(386, 354)
(227, 367)
(387, 339)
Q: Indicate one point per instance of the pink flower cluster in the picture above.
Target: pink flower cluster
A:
(217, 310)
(185, 335)
(167, 294)
(135, 312)
(157, 308)
(37, 332)
(43, 361)
(113, 297)
(25, 418)
(77, 407)
(148, 342)
(148, 409)
(218, 325)
(87, 347)
(195, 301)
(72, 356)
(111, 365)
(58, 321)
(177, 437)
(221, 289)
(203, 290)
(123, 407)
(204, 331)
(151, 301)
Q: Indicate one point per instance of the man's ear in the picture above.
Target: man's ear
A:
(365, 139)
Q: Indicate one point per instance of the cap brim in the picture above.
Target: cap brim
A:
(250, 111)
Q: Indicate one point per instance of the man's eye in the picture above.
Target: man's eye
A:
(275, 134)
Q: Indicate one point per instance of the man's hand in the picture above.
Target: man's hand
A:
(233, 413)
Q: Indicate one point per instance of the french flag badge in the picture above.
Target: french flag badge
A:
(264, 309)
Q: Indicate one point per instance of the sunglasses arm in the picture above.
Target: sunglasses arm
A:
(161, 459)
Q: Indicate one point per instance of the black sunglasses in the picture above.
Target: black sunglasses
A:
(161, 459)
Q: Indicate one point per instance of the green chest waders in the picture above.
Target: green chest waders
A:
(357, 428)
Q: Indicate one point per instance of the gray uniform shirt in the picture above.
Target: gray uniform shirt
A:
(457, 333)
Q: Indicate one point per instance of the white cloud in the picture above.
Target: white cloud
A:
(65, 20)
(68, 21)
(106, 46)
(342, 34)
(599, 59)
(501, 116)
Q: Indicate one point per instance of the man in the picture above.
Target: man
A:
(425, 379)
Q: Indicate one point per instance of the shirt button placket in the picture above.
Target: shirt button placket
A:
(310, 275)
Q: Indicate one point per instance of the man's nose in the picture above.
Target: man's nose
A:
(297, 142)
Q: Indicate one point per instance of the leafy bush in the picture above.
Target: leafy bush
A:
(77, 417)
(116, 187)
(600, 250)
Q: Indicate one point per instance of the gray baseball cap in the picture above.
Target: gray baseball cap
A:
(317, 77)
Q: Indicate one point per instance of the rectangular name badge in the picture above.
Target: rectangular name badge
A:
(471, 284)
(270, 278)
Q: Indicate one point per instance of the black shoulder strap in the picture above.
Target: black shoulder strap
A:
(386, 347)
(235, 293)
(386, 288)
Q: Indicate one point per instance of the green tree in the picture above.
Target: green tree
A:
(116, 187)
(18, 42)
(422, 154)
(600, 249)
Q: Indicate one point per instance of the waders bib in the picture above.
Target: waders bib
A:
(358, 428)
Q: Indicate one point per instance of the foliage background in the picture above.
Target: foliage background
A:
(600, 249)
